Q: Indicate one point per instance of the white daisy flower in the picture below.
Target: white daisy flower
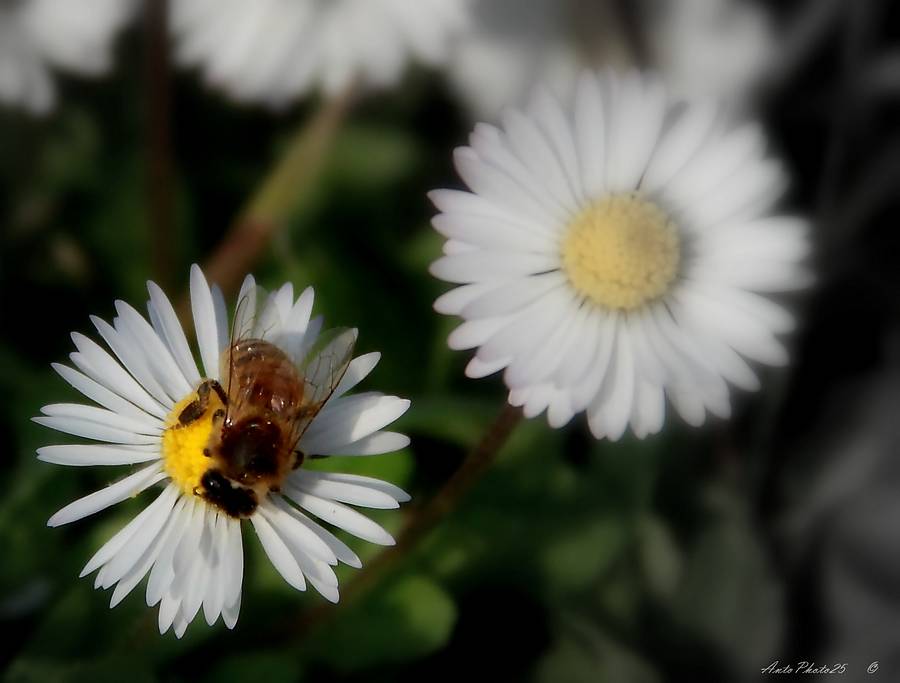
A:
(273, 51)
(37, 35)
(618, 253)
(713, 48)
(153, 411)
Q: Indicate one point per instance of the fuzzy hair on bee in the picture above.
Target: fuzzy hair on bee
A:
(269, 401)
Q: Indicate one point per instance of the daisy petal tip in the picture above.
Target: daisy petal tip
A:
(331, 595)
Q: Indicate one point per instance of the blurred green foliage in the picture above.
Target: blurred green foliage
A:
(570, 561)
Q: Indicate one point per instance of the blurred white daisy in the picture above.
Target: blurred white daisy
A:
(273, 51)
(39, 35)
(616, 253)
(716, 48)
(712, 48)
(510, 45)
(148, 415)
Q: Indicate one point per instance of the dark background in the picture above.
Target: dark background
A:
(695, 555)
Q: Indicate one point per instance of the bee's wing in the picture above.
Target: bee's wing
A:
(322, 370)
(252, 303)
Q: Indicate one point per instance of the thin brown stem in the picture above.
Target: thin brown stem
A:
(271, 206)
(473, 467)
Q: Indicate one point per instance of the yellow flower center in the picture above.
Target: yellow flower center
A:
(183, 444)
(621, 252)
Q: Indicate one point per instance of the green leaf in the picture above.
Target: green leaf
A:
(580, 554)
(729, 595)
(660, 557)
(270, 666)
(405, 620)
(584, 654)
(108, 669)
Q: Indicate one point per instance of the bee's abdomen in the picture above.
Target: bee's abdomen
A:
(263, 377)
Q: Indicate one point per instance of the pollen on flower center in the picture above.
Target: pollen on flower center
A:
(183, 444)
(621, 252)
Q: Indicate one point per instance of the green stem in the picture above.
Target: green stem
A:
(270, 207)
(473, 467)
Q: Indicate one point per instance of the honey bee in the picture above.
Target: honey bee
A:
(269, 402)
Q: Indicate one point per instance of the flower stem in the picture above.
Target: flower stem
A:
(473, 467)
(271, 204)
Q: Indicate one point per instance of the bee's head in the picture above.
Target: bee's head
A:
(227, 495)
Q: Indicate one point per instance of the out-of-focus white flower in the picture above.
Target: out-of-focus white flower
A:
(510, 45)
(273, 51)
(189, 538)
(712, 48)
(37, 35)
(618, 252)
(718, 48)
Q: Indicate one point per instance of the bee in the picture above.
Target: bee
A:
(269, 402)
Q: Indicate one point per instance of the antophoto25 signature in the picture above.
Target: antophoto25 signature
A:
(803, 667)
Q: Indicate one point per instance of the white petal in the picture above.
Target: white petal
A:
(292, 524)
(679, 144)
(477, 368)
(134, 360)
(95, 431)
(482, 265)
(637, 116)
(452, 302)
(493, 233)
(102, 368)
(473, 333)
(142, 538)
(352, 489)
(511, 297)
(340, 549)
(349, 419)
(162, 573)
(106, 398)
(234, 563)
(80, 455)
(341, 516)
(214, 599)
(374, 444)
(223, 333)
(611, 410)
(101, 416)
(357, 371)
(530, 327)
(205, 323)
(158, 356)
(590, 132)
(130, 486)
(281, 557)
(109, 549)
(142, 565)
(166, 323)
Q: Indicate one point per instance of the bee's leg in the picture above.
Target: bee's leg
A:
(299, 457)
(215, 386)
(192, 411)
(196, 409)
